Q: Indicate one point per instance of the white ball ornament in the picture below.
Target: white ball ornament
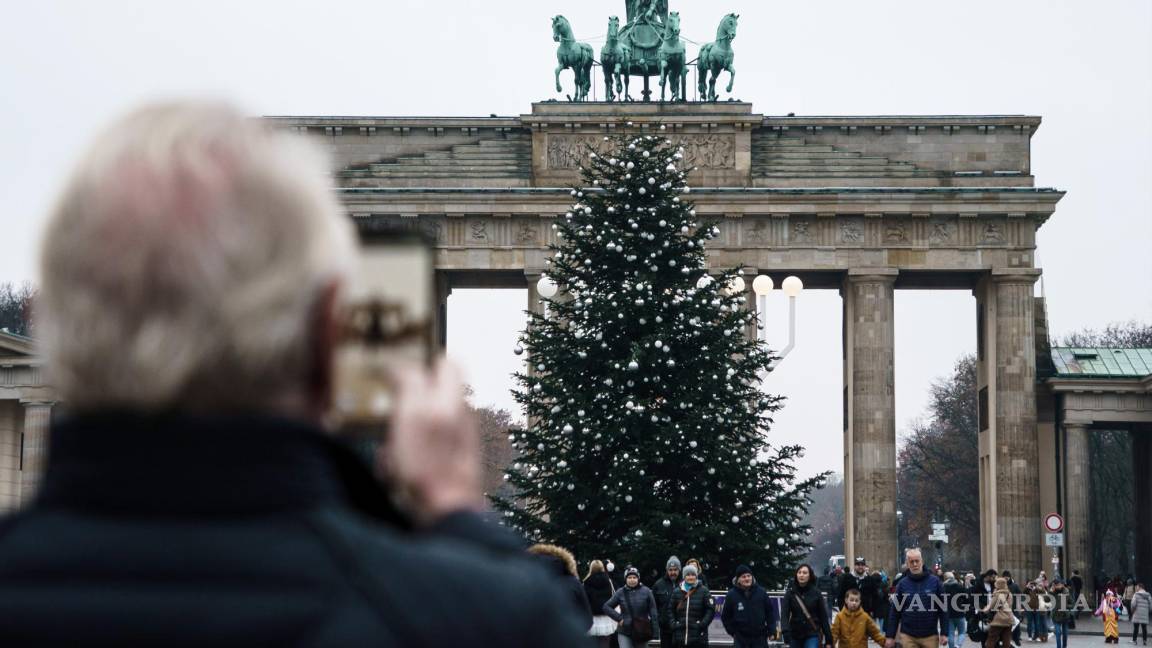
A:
(567, 429)
(630, 165)
(645, 154)
(628, 498)
(735, 519)
(651, 181)
(667, 523)
(633, 365)
(519, 350)
(643, 191)
(780, 541)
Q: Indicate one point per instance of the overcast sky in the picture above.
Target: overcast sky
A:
(1085, 67)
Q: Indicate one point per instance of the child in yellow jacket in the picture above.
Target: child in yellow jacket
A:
(853, 626)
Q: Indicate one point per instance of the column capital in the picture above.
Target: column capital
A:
(872, 275)
(1015, 275)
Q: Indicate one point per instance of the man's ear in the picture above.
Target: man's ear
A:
(323, 339)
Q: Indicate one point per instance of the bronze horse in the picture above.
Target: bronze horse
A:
(615, 58)
(571, 54)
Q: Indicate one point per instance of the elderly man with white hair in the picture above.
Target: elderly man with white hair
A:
(919, 613)
(191, 280)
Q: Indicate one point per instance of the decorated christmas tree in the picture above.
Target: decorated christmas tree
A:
(647, 426)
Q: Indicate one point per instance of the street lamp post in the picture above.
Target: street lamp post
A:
(792, 286)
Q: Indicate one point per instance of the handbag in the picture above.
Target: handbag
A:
(804, 609)
(641, 628)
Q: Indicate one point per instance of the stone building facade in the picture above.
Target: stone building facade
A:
(25, 412)
(863, 205)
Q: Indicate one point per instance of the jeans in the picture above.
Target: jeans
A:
(1136, 628)
(957, 631)
(1037, 624)
(1061, 632)
(625, 642)
(810, 642)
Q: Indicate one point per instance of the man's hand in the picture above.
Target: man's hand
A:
(943, 640)
(889, 643)
(432, 454)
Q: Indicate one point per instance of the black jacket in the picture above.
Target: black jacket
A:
(688, 616)
(598, 589)
(749, 614)
(870, 591)
(663, 589)
(793, 623)
(957, 598)
(177, 531)
(633, 600)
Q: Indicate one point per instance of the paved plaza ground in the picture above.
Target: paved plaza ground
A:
(1088, 632)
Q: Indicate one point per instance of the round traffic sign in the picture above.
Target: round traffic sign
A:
(1053, 523)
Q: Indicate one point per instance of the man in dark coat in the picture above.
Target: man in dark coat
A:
(749, 615)
(190, 309)
(917, 612)
(868, 585)
(663, 589)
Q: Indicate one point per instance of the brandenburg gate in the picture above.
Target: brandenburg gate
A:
(864, 205)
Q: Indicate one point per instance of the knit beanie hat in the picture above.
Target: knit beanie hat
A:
(691, 570)
(673, 563)
(741, 570)
(631, 571)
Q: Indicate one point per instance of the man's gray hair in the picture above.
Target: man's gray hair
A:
(182, 266)
(913, 550)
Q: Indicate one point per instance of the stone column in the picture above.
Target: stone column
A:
(870, 443)
(534, 304)
(440, 312)
(1010, 519)
(34, 449)
(1141, 464)
(1078, 498)
(751, 332)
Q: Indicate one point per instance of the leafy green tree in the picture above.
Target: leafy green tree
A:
(646, 426)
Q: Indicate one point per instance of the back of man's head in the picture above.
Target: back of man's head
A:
(185, 262)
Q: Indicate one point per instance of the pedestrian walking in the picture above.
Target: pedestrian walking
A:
(1037, 615)
(748, 615)
(663, 590)
(598, 589)
(917, 617)
(1126, 597)
(804, 613)
(691, 610)
(853, 626)
(1139, 612)
(868, 584)
(562, 565)
(1002, 617)
(1017, 606)
(958, 601)
(1076, 583)
(881, 612)
(1061, 612)
(638, 617)
(700, 578)
(1109, 613)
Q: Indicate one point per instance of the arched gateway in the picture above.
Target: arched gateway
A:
(867, 205)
